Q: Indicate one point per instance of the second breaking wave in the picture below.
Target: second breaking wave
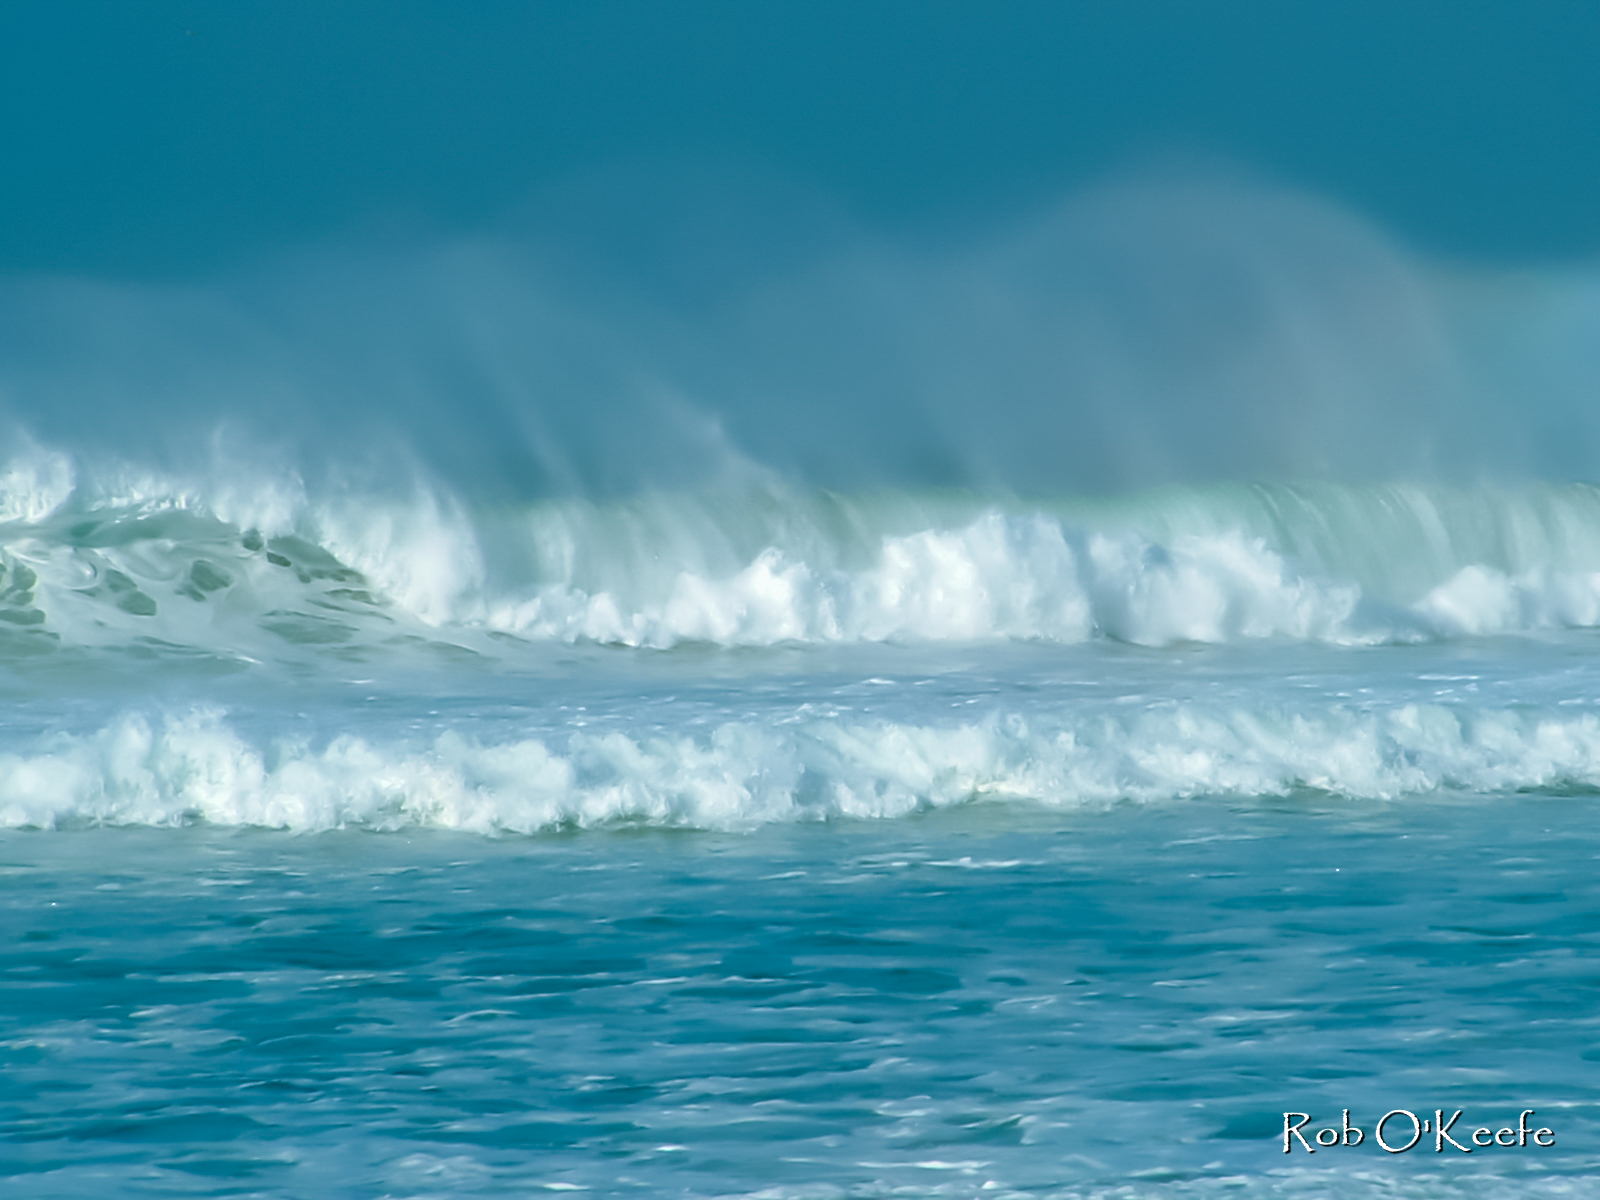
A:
(739, 774)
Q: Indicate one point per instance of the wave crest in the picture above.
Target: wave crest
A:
(998, 577)
(739, 774)
(105, 561)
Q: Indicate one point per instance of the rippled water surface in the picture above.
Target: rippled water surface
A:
(988, 1001)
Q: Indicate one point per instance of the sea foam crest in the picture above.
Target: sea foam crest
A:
(420, 552)
(1478, 600)
(739, 774)
(263, 567)
(998, 577)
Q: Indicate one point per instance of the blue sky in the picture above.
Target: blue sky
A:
(168, 137)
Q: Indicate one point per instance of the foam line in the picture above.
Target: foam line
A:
(195, 767)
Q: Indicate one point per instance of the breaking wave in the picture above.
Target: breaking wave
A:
(482, 445)
(105, 563)
(739, 774)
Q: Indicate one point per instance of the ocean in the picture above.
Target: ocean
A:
(1033, 719)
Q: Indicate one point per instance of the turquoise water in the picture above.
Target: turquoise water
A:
(974, 1002)
(1015, 920)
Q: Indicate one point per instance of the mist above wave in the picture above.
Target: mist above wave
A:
(1155, 330)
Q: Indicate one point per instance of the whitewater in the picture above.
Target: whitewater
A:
(1001, 718)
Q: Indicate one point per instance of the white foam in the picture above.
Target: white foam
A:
(1479, 600)
(738, 774)
(421, 553)
(998, 577)
(768, 567)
